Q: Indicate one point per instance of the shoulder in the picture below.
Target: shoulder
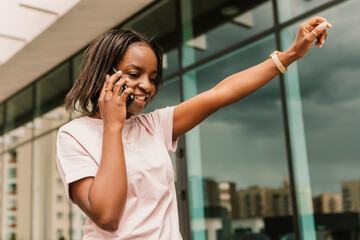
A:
(156, 115)
(81, 123)
(82, 127)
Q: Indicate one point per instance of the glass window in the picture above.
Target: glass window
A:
(170, 62)
(160, 22)
(50, 94)
(330, 86)
(1, 124)
(12, 205)
(1, 189)
(59, 198)
(59, 182)
(19, 114)
(217, 25)
(292, 8)
(11, 221)
(59, 233)
(18, 192)
(76, 62)
(237, 164)
(167, 96)
(12, 188)
(12, 172)
(50, 120)
(77, 222)
(47, 196)
(59, 215)
(1, 143)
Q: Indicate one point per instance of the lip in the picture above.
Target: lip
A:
(141, 101)
(137, 96)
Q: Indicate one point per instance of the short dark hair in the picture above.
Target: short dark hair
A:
(105, 51)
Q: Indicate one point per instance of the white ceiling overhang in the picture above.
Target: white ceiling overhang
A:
(69, 32)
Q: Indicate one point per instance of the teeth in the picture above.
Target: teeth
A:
(140, 97)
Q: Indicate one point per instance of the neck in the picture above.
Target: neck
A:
(128, 115)
(98, 116)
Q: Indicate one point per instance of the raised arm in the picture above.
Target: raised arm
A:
(102, 198)
(190, 113)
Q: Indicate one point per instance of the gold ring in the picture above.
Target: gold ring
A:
(107, 90)
(316, 35)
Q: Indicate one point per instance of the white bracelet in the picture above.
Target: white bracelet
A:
(279, 65)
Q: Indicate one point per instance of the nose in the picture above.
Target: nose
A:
(145, 84)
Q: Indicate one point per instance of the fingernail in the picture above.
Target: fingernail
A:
(323, 25)
(119, 71)
(329, 25)
(322, 43)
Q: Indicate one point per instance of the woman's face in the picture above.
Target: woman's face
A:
(139, 65)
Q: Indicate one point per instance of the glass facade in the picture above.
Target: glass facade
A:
(280, 164)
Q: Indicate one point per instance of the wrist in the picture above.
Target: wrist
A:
(288, 57)
(113, 128)
(274, 56)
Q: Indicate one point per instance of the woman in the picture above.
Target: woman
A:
(114, 162)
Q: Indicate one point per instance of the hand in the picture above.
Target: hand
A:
(112, 106)
(314, 28)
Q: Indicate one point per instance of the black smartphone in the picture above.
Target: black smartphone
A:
(131, 97)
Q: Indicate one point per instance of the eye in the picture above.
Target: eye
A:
(152, 80)
(134, 75)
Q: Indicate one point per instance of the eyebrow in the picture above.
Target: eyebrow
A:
(138, 68)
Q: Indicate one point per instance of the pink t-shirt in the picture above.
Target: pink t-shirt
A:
(151, 207)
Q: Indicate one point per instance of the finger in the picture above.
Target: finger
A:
(316, 20)
(318, 30)
(102, 93)
(322, 39)
(110, 81)
(126, 93)
(118, 85)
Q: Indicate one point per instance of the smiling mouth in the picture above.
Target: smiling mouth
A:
(141, 98)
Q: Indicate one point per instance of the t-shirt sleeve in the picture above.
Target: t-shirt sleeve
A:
(162, 120)
(73, 161)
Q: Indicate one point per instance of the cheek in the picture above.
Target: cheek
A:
(153, 90)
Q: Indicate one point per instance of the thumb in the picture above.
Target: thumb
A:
(319, 29)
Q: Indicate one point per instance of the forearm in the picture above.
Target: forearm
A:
(107, 195)
(239, 85)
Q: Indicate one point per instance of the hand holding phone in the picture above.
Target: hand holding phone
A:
(131, 97)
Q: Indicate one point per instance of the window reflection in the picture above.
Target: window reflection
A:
(238, 181)
(330, 89)
(217, 25)
(170, 62)
(18, 118)
(160, 22)
(50, 93)
(169, 95)
(292, 8)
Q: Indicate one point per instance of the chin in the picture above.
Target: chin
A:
(135, 110)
